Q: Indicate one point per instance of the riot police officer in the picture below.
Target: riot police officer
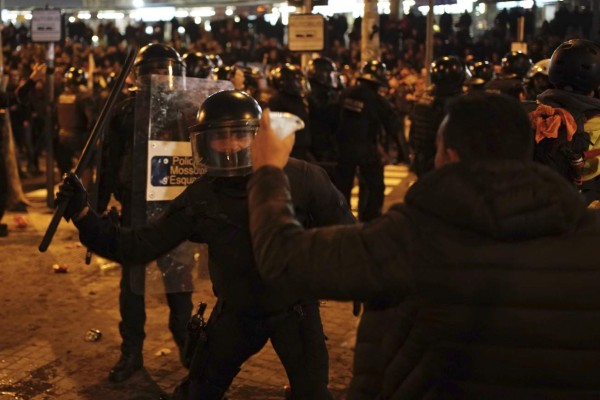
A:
(117, 179)
(448, 74)
(75, 111)
(291, 96)
(197, 64)
(515, 66)
(364, 115)
(323, 103)
(574, 72)
(214, 210)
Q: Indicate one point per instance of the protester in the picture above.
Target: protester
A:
(483, 284)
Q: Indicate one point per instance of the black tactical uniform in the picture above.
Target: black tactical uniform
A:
(364, 116)
(324, 109)
(290, 97)
(447, 75)
(117, 179)
(214, 210)
(515, 66)
(75, 111)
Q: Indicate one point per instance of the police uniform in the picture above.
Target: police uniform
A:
(426, 117)
(364, 115)
(75, 115)
(117, 178)
(248, 313)
(290, 97)
(298, 106)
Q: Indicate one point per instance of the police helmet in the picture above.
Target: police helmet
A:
(575, 66)
(374, 71)
(515, 64)
(216, 60)
(322, 71)
(289, 79)
(448, 74)
(222, 73)
(251, 76)
(197, 64)
(160, 59)
(75, 77)
(227, 123)
(481, 73)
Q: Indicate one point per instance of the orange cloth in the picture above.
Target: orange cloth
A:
(547, 121)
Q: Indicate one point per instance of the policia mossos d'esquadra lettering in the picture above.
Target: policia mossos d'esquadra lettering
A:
(214, 210)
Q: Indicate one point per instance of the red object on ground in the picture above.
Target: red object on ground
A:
(21, 221)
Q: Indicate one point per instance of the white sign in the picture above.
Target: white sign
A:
(45, 25)
(171, 168)
(306, 32)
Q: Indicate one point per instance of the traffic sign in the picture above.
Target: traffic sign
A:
(46, 25)
(306, 32)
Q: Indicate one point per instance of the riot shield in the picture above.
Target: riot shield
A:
(162, 168)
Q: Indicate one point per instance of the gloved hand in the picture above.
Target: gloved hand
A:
(73, 192)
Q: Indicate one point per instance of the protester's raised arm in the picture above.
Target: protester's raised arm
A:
(362, 262)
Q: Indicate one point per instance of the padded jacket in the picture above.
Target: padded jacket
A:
(487, 280)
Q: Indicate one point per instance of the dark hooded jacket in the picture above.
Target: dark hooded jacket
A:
(483, 285)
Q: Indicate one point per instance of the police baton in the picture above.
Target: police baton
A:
(86, 154)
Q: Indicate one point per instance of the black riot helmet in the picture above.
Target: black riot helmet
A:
(448, 74)
(374, 71)
(227, 123)
(75, 77)
(216, 60)
(159, 59)
(251, 76)
(222, 73)
(197, 64)
(481, 73)
(575, 66)
(515, 65)
(322, 71)
(289, 79)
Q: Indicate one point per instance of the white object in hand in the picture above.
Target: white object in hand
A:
(284, 124)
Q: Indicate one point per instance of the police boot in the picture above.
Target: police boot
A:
(125, 367)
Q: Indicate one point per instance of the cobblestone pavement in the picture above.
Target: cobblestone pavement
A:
(45, 316)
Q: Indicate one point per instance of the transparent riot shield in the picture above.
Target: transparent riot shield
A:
(162, 168)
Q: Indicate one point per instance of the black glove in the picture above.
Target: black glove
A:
(72, 192)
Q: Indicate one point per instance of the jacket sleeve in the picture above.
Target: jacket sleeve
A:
(140, 245)
(360, 261)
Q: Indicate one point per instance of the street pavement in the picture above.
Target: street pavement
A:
(46, 314)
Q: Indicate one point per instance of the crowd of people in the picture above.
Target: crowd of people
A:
(459, 283)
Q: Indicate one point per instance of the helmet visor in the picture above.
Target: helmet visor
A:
(224, 151)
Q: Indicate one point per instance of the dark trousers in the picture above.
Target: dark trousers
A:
(133, 315)
(371, 202)
(297, 337)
